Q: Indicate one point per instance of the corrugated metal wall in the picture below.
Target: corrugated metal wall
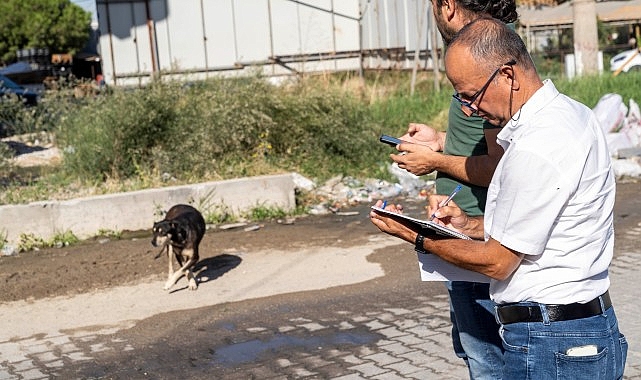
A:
(200, 38)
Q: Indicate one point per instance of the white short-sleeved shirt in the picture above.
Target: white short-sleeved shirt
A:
(552, 198)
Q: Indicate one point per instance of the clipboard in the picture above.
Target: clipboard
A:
(432, 267)
(424, 224)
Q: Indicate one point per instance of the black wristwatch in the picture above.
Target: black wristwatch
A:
(418, 243)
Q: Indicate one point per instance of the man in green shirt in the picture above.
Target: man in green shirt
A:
(467, 154)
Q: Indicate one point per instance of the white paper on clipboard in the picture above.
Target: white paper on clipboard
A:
(423, 224)
(433, 268)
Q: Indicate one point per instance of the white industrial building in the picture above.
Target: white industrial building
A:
(139, 39)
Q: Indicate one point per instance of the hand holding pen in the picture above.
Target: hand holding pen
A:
(394, 207)
(446, 201)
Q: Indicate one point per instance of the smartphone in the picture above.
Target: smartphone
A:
(393, 141)
(587, 350)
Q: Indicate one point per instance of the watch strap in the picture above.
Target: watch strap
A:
(418, 243)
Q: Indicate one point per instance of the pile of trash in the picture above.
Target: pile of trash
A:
(622, 125)
(340, 192)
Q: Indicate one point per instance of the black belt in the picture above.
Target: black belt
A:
(520, 313)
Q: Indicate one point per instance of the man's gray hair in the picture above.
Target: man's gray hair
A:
(492, 43)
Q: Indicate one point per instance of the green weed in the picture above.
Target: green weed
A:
(63, 239)
(3, 239)
(30, 242)
(219, 214)
(111, 234)
(264, 212)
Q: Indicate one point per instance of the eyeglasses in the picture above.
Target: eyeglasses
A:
(469, 104)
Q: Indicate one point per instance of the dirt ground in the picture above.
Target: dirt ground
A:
(96, 264)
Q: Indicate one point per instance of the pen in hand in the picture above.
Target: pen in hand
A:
(447, 200)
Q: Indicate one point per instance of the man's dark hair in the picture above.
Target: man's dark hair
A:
(503, 10)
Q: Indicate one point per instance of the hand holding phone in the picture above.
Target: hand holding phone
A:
(389, 140)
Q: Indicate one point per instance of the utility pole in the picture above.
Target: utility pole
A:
(586, 39)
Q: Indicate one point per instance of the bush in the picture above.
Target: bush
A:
(321, 132)
(219, 128)
(113, 135)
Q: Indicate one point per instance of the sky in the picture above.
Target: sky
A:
(88, 5)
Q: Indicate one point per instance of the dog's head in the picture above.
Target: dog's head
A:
(168, 231)
(162, 232)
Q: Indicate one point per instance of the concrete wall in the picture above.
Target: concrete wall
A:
(138, 210)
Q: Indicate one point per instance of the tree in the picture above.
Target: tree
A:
(59, 25)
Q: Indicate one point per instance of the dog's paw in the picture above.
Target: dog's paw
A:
(193, 285)
(168, 285)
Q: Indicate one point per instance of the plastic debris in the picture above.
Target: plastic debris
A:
(8, 250)
(339, 192)
(622, 125)
(232, 225)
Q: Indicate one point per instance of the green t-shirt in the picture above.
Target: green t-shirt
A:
(464, 138)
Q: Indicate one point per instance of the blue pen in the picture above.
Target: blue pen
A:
(446, 201)
(383, 205)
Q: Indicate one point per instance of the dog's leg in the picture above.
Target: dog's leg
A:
(193, 285)
(173, 278)
(193, 259)
(170, 259)
(185, 270)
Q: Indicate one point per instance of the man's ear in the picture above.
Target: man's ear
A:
(507, 74)
(450, 8)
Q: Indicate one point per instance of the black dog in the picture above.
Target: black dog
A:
(180, 232)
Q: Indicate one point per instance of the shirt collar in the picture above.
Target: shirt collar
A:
(540, 99)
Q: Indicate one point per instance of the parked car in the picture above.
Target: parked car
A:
(630, 58)
(11, 88)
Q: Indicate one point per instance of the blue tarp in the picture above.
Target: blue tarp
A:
(16, 68)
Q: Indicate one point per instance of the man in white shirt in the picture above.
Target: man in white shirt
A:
(546, 239)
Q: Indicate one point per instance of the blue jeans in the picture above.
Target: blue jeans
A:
(475, 333)
(538, 350)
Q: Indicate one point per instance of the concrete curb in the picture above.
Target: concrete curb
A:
(138, 210)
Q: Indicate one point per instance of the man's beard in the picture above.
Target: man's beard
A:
(446, 33)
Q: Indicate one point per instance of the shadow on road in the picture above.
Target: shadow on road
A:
(211, 268)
